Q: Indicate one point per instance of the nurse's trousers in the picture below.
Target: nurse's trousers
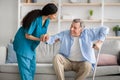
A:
(26, 67)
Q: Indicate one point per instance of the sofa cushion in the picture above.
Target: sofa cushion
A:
(107, 70)
(11, 55)
(48, 69)
(107, 59)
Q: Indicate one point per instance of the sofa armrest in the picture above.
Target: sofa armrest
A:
(3, 52)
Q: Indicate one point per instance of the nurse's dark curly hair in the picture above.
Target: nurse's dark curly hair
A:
(118, 58)
(48, 9)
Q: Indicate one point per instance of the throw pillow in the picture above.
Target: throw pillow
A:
(107, 59)
(11, 56)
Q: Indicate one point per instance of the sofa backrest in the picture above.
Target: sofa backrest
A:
(111, 46)
(45, 52)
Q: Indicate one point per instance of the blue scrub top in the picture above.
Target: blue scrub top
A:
(24, 46)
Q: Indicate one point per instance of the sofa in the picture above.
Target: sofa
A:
(45, 71)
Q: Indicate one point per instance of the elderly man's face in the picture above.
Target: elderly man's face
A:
(75, 29)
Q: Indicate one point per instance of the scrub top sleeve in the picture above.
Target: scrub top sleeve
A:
(32, 27)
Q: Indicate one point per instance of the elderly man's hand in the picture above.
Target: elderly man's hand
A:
(97, 45)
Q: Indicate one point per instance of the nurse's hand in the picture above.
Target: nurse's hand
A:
(44, 37)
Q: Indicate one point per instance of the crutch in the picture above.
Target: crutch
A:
(102, 43)
(98, 51)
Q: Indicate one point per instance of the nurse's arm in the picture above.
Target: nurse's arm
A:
(31, 37)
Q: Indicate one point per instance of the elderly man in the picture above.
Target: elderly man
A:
(76, 49)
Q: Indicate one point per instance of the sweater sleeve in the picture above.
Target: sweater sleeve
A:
(55, 37)
(98, 33)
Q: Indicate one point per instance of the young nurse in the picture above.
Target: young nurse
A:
(28, 36)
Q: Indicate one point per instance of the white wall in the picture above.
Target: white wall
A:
(8, 20)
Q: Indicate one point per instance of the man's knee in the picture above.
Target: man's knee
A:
(87, 66)
(56, 58)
